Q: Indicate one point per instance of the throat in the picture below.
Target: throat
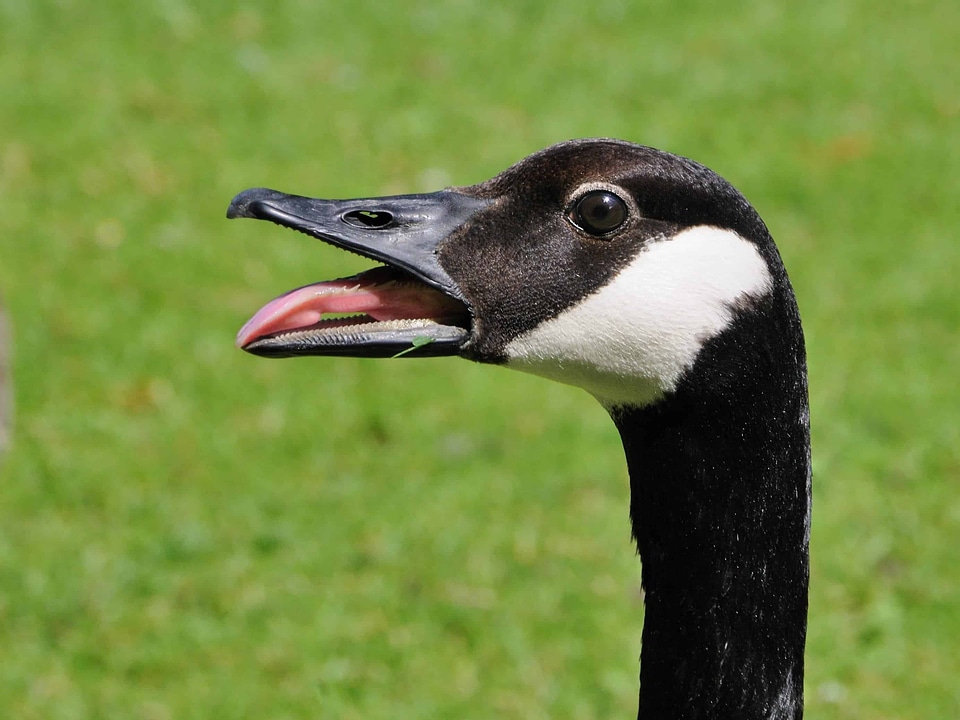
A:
(720, 511)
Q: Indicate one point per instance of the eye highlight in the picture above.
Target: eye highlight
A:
(599, 212)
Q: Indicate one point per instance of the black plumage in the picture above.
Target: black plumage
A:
(716, 435)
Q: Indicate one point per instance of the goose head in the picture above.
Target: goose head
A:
(596, 263)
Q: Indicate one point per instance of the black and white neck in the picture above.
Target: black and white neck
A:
(720, 505)
(696, 350)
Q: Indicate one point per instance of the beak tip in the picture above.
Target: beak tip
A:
(242, 206)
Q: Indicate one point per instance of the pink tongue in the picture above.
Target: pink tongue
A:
(305, 306)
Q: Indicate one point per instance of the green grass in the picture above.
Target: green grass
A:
(189, 532)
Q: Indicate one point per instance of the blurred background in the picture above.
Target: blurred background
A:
(190, 532)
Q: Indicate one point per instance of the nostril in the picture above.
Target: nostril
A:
(371, 219)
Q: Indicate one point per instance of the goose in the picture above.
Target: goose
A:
(649, 281)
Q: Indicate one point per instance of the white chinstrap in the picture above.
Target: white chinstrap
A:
(632, 340)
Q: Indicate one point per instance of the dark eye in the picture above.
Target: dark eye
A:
(599, 212)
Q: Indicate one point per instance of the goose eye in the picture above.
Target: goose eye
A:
(599, 212)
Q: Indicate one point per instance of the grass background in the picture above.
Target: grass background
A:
(188, 532)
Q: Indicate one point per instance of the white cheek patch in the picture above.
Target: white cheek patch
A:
(633, 339)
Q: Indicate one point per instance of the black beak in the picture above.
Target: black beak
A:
(404, 232)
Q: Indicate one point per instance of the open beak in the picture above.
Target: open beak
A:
(409, 306)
